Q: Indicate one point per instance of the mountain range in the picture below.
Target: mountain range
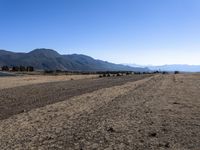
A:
(170, 68)
(177, 67)
(48, 59)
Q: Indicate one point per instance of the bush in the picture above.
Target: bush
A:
(104, 75)
(49, 71)
(176, 72)
(5, 68)
(15, 68)
(137, 73)
(22, 68)
(108, 75)
(164, 72)
(30, 69)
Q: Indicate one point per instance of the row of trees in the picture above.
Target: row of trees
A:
(87, 72)
(103, 73)
(18, 68)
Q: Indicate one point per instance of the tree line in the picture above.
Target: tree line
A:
(17, 68)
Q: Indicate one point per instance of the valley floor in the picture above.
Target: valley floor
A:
(130, 112)
(15, 80)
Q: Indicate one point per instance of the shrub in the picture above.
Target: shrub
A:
(5, 68)
(15, 68)
(176, 72)
(30, 69)
(108, 75)
(164, 72)
(49, 71)
(22, 68)
(104, 75)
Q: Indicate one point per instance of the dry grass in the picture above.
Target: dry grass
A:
(9, 82)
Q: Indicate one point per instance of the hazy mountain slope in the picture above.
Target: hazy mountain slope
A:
(184, 68)
(175, 67)
(47, 59)
(8, 58)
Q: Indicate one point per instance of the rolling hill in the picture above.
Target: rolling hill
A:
(48, 59)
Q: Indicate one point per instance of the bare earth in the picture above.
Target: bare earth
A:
(132, 112)
(10, 82)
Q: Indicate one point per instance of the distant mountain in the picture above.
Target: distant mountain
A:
(135, 65)
(47, 59)
(183, 68)
(175, 67)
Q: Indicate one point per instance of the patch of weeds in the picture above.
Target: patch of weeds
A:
(110, 129)
(152, 134)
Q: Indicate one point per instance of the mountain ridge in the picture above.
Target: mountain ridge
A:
(49, 59)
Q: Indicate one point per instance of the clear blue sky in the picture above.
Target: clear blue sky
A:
(121, 31)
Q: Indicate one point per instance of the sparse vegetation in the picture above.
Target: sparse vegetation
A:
(18, 68)
(5, 68)
(176, 72)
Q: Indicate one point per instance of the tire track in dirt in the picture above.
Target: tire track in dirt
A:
(38, 127)
(157, 113)
(160, 114)
(25, 98)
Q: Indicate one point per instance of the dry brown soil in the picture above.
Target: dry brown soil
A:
(15, 81)
(132, 112)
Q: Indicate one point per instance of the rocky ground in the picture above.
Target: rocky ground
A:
(132, 112)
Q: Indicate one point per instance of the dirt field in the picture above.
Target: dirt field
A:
(21, 99)
(130, 112)
(16, 81)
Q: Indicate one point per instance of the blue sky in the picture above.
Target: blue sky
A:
(121, 31)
